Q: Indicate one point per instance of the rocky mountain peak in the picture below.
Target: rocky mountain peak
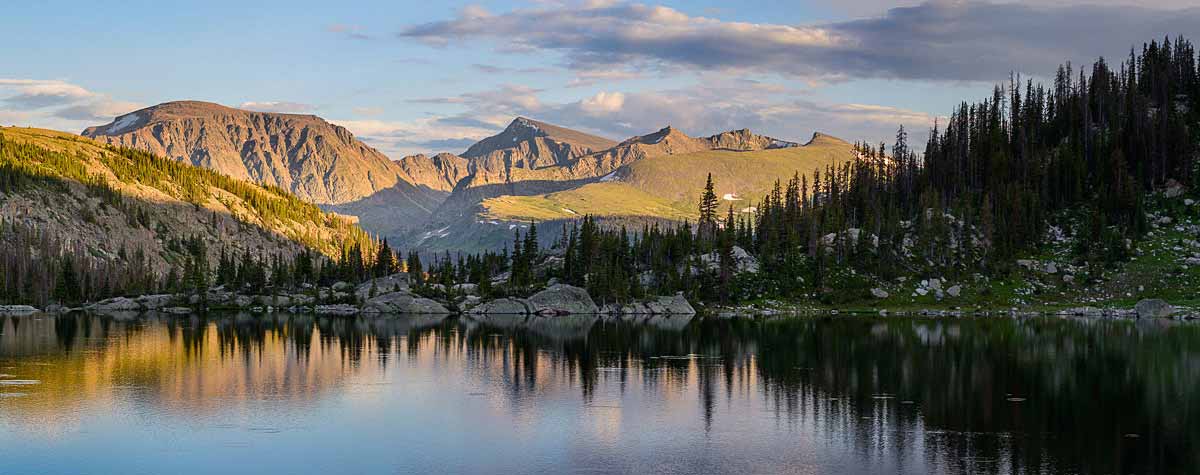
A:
(820, 137)
(527, 125)
(665, 134)
(524, 129)
(313, 159)
(745, 140)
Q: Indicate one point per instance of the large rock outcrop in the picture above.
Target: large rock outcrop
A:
(504, 306)
(562, 299)
(403, 302)
(382, 285)
(1154, 308)
(673, 305)
(17, 310)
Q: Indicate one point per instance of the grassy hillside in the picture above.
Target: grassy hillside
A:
(670, 186)
(602, 199)
(104, 199)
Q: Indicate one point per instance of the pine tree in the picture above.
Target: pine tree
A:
(707, 223)
(385, 263)
(66, 288)
(415, 272)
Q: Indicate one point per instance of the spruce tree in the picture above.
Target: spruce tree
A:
(707, 223)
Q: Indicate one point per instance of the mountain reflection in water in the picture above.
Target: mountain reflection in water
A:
(486, 394)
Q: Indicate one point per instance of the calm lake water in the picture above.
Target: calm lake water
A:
(412, 394)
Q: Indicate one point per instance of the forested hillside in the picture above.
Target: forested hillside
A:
(86, 220)
(1081, 188)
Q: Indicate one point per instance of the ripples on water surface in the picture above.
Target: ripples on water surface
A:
(414, 394)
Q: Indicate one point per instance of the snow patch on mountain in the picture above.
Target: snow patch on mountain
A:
(123, 123)
(610, 177)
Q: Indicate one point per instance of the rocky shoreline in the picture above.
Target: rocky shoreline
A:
(554, 300)
(367, 299)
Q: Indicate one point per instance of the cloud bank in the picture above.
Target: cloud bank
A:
(714, 105)
(56, 103)
(939, 40)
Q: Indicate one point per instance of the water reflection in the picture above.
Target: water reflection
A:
(846, 394)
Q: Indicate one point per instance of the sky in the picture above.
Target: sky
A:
(422, 77)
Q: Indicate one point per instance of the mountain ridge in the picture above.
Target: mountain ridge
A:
(103, 199)
(326, 164)
(314, 159)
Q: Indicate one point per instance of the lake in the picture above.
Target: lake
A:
(235, 394)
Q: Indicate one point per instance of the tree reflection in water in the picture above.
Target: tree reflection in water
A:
(965, 395)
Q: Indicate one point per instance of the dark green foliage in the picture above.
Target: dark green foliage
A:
(982, 193)
(37, 268)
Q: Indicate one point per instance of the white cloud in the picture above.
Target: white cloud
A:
(940, 39)
(603, 102)
(37, 94)
(608, 76)
(427, 135)
(96, 111)
(278, 106)
(56, 104)
(714, 105)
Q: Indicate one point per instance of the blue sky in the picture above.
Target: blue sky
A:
(433, 76)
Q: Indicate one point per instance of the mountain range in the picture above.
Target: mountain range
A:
(531, 170)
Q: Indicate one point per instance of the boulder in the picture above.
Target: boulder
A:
(1051, 267)
(299, 299)
(17, 310)
(674, 305)
(954, 290)
(217, 297)
(1174, 189)
(403, 302)
(177, 310)
(154, 302)
(562, 299)
(743, 262)
(382, 285)
(634, 308)
(1153, 308)
(879, 293)
(1083, 312)
(469, 301)
(116, 304)
(504, 306)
